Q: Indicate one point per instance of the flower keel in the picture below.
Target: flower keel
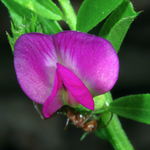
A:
(75, 92)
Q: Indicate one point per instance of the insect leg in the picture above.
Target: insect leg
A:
(38, 110)
(67, 123)
(107, 122)
(87, 117)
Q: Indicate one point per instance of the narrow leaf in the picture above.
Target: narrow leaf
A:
(92, 12)
(117, 25)
(51, 26)
(136, 107)
(49, 5)
(17, 12)
(35, 7)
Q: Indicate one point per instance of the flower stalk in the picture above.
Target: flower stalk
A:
(113, 132)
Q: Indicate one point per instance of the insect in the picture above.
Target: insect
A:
(79, 120)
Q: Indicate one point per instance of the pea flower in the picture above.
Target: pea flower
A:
(68, 68)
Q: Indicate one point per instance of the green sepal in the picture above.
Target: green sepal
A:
(92, 12)
(99, 103)
(136, 107)
(117, 25)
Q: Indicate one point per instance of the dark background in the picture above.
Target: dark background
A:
(21, 127)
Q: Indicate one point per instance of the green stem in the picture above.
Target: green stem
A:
(70, 15)
(113, 132)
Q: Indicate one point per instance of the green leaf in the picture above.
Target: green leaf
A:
(51, 26)
(92, 12)
(136, 107)
(17, 12)
(49, 5)
(117, 25)
(35, 7)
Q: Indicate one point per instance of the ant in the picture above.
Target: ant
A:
(77, 119)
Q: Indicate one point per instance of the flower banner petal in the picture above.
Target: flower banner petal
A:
(76, 87)
(35, 60)
(91, 58)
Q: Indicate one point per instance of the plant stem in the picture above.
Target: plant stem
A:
(113, 132)
(70, 15)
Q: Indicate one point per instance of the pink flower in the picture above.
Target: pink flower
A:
(68, 68)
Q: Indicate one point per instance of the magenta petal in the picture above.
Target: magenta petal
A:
(35, 60)
(52, 105)
(89, 63)
(54, 102)
(91, 58)
(76, 87)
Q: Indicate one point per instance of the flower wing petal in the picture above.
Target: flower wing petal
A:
(54, 102)
(91, 58)
(35, 64)
(76, 87)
